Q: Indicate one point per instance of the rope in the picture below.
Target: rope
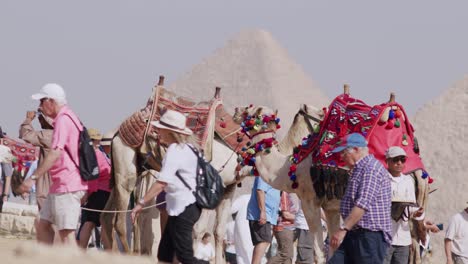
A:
(119, 211)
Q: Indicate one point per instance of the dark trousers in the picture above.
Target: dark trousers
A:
(361, 246)
(177, 236)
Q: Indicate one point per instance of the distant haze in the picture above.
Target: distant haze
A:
(108, 54)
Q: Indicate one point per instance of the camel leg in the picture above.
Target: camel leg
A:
(223, 214)
(332, 212)
(312, 215)
(107, 220)
(120, 223)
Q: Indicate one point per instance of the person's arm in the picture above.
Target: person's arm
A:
(45, 166)
(448, 250)
(7, 169)
(154, 190)
(261, 206)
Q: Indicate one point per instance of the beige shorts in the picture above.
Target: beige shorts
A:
(62, 209)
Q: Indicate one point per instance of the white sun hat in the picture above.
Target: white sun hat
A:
(173, 120)
(50, 90)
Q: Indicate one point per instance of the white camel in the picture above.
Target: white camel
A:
(125, 173)
(274, 166)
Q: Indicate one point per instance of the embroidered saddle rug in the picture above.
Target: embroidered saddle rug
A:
(25, 153)
(383, 126)
(200, 118)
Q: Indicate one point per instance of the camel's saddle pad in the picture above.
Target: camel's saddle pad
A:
(200, 118)
(25, 153)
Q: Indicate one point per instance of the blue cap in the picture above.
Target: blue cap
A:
(350, 141)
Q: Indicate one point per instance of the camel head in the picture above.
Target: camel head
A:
(256, 119)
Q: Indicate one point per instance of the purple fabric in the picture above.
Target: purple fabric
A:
(369, 188)
(161, 198)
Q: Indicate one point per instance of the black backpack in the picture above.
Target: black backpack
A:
(210, 189)
(88, 165)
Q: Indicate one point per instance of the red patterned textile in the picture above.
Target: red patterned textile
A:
(383, 126)
(25, 153)
(200, 118)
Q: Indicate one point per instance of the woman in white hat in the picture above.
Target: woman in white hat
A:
(176, 243)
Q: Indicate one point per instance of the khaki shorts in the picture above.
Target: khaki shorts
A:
(62, 209)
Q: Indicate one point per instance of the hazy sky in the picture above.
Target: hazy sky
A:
(108, 54)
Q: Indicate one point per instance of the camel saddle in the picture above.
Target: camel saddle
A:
(200, 119)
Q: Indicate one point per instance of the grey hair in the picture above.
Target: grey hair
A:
(183, 139)
(60, 101)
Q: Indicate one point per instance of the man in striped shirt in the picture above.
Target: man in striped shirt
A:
(365, 233)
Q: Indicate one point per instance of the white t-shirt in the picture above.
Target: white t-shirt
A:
(457, 231)
(230, 237)
(403, 190)
(179, 157)
(300, 220)
(204, 252)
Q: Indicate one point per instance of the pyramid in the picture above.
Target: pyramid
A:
(252, 68)
(441, 127)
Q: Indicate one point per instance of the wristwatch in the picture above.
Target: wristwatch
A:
(141, 202)
(343, 227)
(33, 177)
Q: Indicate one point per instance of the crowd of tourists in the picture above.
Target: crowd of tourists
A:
(70, 206)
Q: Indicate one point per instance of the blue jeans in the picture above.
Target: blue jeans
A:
(361, 246)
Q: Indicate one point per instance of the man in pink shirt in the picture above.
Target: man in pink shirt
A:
(62, 205)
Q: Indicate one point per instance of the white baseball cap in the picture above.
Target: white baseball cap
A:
(394, 151)
(50, 90)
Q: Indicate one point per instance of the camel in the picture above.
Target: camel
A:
(125, 171)
(273, 166)
(125, 177)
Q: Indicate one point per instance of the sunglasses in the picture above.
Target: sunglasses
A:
(400, 158)
(44, 99)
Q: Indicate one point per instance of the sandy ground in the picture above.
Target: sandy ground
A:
(21, 251)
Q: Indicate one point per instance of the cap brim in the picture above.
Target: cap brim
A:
(187, 131)
(338, 149)
(38, 96)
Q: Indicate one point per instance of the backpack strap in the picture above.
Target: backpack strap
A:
(182, 179)
(66, 149)
(177, 172)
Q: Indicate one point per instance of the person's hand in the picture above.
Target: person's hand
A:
(337, 238)
(84, 199)
(30, 115)
(419, 212)
(262, 219)
(25, 195)
(26, 186)
(135, 212)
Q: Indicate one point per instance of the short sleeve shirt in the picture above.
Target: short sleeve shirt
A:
(272, 202)
(457, 231)
(369, 188)
(179, 157)
(64, 173)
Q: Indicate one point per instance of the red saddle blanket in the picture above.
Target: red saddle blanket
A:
(200, 118)
(25, 153)
(383, 125)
